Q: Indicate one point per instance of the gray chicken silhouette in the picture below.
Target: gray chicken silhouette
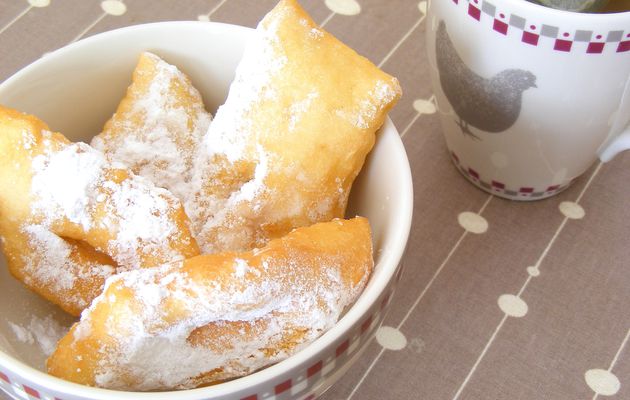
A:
(489, 104)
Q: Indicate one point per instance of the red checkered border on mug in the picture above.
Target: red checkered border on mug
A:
(537, 34)
(501, 188)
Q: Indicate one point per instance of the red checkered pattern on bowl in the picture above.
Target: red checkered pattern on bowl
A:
(302, 385)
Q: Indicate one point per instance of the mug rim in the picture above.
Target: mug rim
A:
(543, 11)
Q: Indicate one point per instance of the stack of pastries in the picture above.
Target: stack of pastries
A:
(216, 243)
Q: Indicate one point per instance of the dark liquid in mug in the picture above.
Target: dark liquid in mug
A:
(615, 6)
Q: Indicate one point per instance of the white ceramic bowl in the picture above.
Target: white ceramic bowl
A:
(77, 88)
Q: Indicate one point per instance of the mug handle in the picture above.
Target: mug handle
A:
(619, 138)
(616, 146)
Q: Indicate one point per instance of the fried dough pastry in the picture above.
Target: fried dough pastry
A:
(158, 125)
(284, 149)
(216, 317)
(69, 218)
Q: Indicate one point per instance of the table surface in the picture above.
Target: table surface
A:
(445, 337)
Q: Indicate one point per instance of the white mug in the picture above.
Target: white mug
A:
(529, 96)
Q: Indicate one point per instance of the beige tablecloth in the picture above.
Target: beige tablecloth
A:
(522, 310)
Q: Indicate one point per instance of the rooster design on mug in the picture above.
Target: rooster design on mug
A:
(489, 104)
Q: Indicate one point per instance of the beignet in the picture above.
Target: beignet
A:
(284, 149)
(158, 125)
(69, 218)
(216, 317)
(293, 134)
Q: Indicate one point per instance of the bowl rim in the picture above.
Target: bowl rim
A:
(358, 310)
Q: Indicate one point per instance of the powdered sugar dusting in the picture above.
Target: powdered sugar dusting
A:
(267, 296)
(254, 187)
(28, 140)
(57, 269)
(45, 332)
(56, 194)
(315, 33)
(252, 206)
(232, 137)
(299, 108)
(21, 334)
(240, 268)
(142, 220)
(161, 147)
(72, 183)
(382, 94)
(51, 263)
(251, 84)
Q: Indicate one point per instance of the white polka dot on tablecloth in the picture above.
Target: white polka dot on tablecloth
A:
(114, 7)
(571, 210)
(344, 7)
(391, 338)
(423, 106)
(203, 18)
(512, 305)
(533, 271)
(39, 3)
(602, 381)
(472, 222)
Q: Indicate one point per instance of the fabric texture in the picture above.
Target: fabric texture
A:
(500, 299)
